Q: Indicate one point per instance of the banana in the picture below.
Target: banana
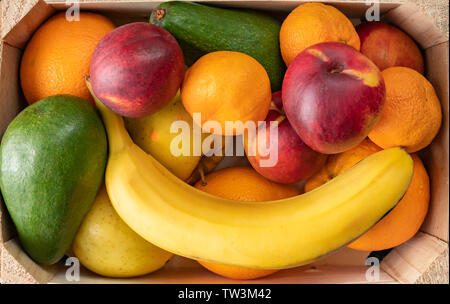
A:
(269, 235)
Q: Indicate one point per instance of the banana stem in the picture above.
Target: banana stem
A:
(118, 137)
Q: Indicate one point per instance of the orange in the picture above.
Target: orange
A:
(227, 87)
(412, 116)
(312, 23)
(58, 56)
(403, 221)
(237, 273)
(244, 184)
(338, 163)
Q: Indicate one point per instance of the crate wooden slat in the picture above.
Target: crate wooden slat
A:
(181, 270)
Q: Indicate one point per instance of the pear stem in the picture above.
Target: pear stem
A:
(118, 137)
(201, 170)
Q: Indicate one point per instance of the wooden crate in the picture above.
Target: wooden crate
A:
(424, 258)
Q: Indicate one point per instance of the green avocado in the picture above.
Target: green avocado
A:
(52, 163)
(202, 29)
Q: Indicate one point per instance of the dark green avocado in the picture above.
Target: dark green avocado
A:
(52, 163)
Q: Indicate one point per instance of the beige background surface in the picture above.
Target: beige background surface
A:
(437, 10)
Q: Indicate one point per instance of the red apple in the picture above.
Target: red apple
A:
(295, 161)
(388, 46)
(333, 96)
(277, 102)
(137, 69)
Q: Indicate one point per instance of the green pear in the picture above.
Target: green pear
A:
(152, 133)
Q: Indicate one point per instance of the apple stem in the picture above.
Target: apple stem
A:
(275, 108)
(280, 118)
(337, 69)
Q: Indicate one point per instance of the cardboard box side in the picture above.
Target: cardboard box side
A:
(351, 9)
(11, 103)
(17, 28)
(184, 271)
(409, 18)
(436, 156)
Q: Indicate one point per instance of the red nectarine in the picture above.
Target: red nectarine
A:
(137, 69)
(388, 46)
(333, 96)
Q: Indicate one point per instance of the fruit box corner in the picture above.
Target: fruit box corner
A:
(418, 260)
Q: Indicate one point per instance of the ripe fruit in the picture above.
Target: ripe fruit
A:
(203, 29)
(237, 273)
(227, 87)
(281, 157)
(312, 23)
(333, 96)
(338, 163)
(52, 163)
(403, 222)
(388, 46)
(243, 184)
(412, 114)
(152, 134)
(137, 69)
(107, 246)
(58, 56)
(171, 214)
